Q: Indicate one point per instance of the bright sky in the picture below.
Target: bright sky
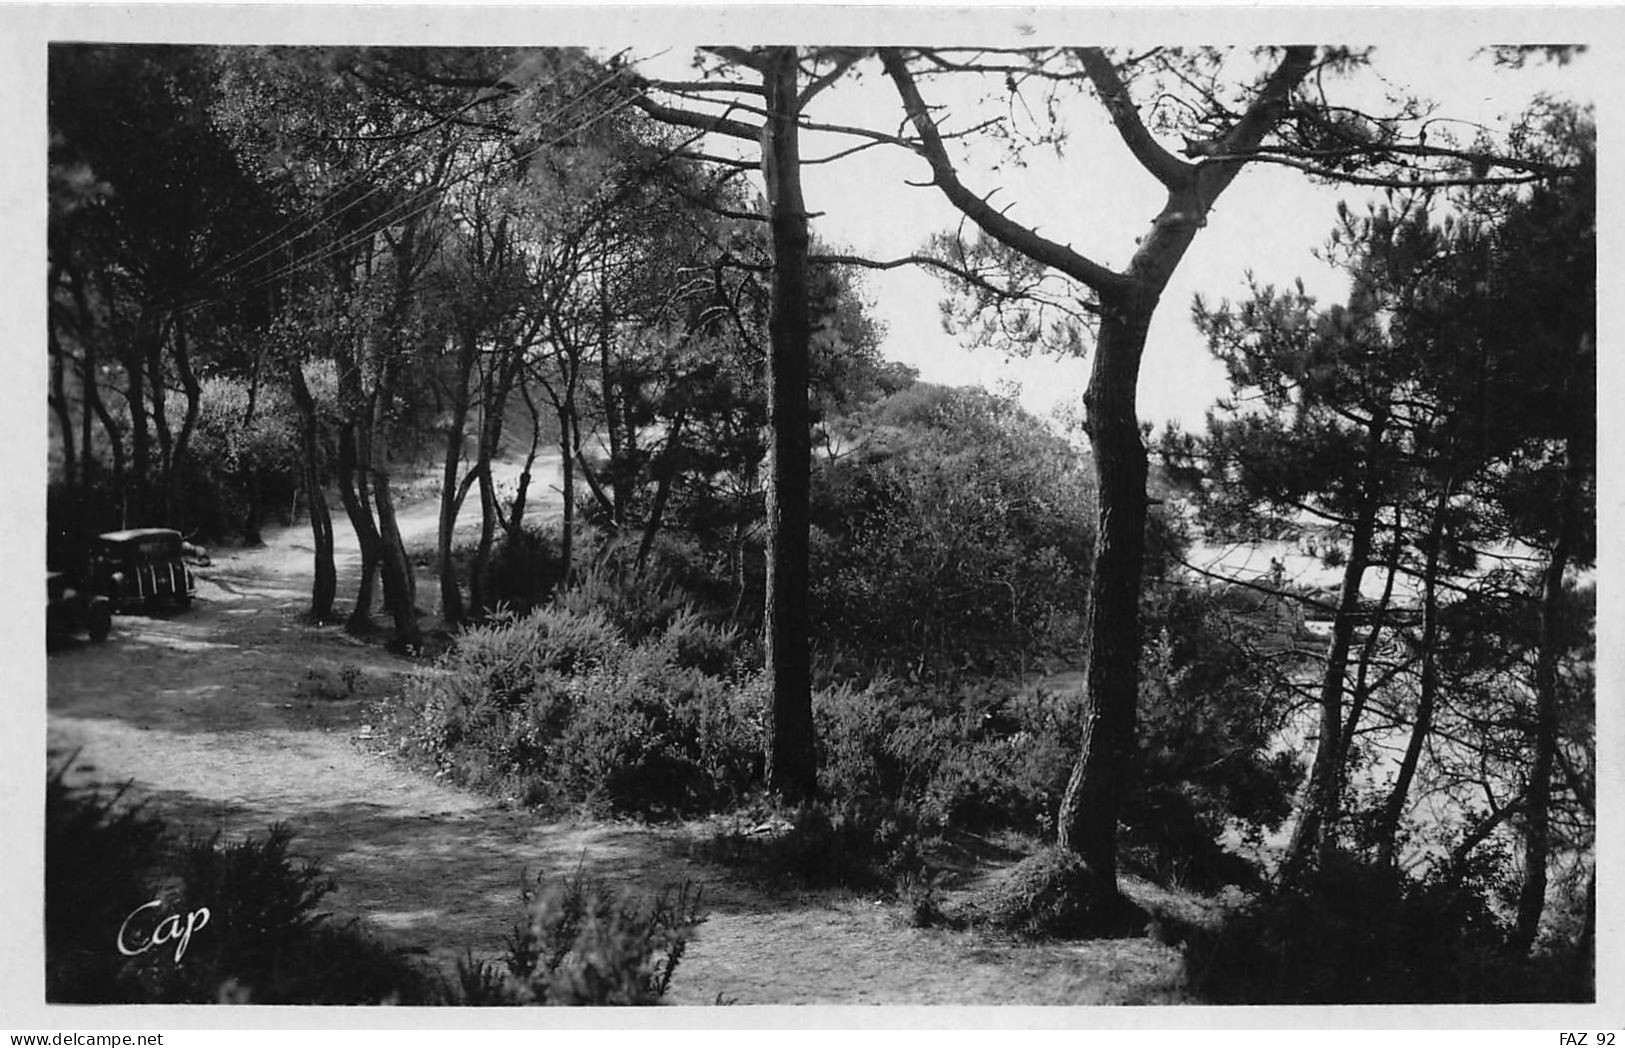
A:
(1096, 198)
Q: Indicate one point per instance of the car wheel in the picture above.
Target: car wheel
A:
(100, 620)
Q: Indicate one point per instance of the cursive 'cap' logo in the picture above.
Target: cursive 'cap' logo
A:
(132, 941)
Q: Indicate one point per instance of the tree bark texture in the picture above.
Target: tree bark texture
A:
(1087, 820)
(791, 762)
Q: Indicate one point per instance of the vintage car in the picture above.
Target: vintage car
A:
(144, 566)
(69, 609)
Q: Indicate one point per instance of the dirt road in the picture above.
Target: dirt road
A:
(234, 715)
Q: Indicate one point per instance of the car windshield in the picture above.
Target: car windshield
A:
(146, 547)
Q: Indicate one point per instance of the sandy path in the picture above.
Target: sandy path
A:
(213, 716)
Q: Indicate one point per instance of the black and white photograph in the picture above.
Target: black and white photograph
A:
(1081, 513)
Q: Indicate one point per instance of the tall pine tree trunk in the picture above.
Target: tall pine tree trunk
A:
(791, 767)
(1087, 820)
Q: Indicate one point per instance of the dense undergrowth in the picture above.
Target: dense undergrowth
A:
(1356, 933)
(263, 939)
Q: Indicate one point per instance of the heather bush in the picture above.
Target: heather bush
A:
(99, 854)
(559, 706)
(583, 943)
(1357, 933)
(830, 843)
(901, 768)
(955, 539)
(970, 759)
(263, 941)
(642, 599)
(525, 569)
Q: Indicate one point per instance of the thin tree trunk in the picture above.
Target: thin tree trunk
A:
(194, 398)
(1387, 829)
(355, 494)
(667, 470)
(165, 480)
(90, 385)
(1314, 831)
(115, 436)
(251, 518)
(1362, 688)
(400, 595)
(135, 504)
(58, 400)
(619, 494)
(1087, 819)
(451, 594)
(567, 480)
(516, 512)
(791, 768)
(325, 587)
(494, 414)
(92, 406)
(1537, 813)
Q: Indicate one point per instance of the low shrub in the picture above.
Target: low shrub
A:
(559, 706)
(827, 844)
(98, 856)
(901, 768)
(647, 598)
(582, 943)
(970, 760)
(1356, 933)
(331, 686)
(114, 877)
(525, 569)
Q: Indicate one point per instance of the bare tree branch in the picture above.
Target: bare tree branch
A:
(1413, 181)
(720, 123)
(845, 60)
(1168, 169)
(995, 223)
(678, 87)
